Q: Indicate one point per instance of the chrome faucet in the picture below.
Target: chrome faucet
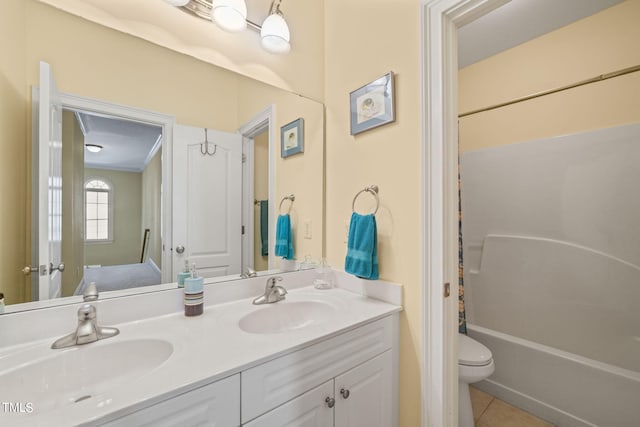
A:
(88, 330)
(249, 273)
(272, 292)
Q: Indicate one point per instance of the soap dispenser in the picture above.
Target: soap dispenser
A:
(193, 294)
(184, 274)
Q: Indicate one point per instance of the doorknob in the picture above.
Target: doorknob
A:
(180, 249)
(28, 270)
(60, 268)
(345, 393)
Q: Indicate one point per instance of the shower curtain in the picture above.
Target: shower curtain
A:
(462, 321)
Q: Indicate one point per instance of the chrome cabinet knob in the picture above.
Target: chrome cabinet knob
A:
(330, 402)
(344, 393)
(180, 249)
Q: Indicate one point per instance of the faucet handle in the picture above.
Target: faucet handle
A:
(91, 292)
(86, 312)
(271, 281)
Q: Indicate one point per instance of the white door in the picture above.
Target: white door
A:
(312, 409)
(207, 201)
(363, 394)
(249, 206)
(49, 188)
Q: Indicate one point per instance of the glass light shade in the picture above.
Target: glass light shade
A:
(230, 15)
(93, 148)
(177, 2)
(275, 34)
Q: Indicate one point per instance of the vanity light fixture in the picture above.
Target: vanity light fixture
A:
(231, 15)
(93, 148)
(177, 2)
(275, 31)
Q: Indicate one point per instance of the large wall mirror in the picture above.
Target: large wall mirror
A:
(158, 118)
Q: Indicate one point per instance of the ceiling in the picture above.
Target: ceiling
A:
(519, 21)
(127, 145)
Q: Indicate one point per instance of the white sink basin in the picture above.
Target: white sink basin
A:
(285, 316)
(69, 376)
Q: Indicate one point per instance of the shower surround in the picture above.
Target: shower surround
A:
(552, 273)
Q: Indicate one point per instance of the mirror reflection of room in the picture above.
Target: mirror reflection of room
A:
(112, 70)
(111, 213)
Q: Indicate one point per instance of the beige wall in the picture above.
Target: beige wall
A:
(127, 234)
(13, 111)
(300, 174)
(72, 202)
(364, 40)
(152, 206)
(112, 66)
(602, 43)
(260, 192)
(300, 71)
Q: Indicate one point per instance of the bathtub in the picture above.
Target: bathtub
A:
(562, 322)
(562, 388)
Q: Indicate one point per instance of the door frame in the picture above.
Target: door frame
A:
(264, 120)
(76, 102)
(439, 23)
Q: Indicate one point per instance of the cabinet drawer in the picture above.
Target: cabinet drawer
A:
(216, 404)
(275, 382)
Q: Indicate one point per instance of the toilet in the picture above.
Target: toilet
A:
(475, 363)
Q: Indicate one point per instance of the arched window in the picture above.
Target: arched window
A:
(98, 213)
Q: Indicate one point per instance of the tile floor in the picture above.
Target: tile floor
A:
(491, 412)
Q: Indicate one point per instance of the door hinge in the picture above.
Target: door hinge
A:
(243, 230)
(244, 158)
(447, 290)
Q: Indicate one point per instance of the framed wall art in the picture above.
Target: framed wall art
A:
(373, 105)
(292, 138)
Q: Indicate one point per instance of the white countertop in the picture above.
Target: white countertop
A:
(205, 348)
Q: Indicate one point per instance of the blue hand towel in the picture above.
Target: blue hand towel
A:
(284, 237)
(264, 227)
(362, 247)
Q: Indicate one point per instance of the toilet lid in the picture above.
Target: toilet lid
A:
(471, 352)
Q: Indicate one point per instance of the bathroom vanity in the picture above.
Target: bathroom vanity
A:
(319, 357)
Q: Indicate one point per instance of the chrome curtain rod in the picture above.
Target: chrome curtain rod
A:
(596, 79)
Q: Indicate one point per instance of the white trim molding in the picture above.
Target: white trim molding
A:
(440, 20)
(266, 119)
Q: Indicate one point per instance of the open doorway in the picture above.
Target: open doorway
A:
(258, 172)
(111, 203)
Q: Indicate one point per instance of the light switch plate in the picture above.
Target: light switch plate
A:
(308, 229)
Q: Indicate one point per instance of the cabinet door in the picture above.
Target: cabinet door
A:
(309, 410)
(364, 394)
(214, 405)
(273, 383)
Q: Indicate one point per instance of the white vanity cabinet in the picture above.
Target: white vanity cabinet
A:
(348, 380)
(361, 397)
(214, 405)
(345, 381)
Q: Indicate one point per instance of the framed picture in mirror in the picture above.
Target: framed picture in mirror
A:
(292, 138)
(372, 105)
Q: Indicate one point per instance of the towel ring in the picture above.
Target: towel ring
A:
(373, 189)
(290, 197)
